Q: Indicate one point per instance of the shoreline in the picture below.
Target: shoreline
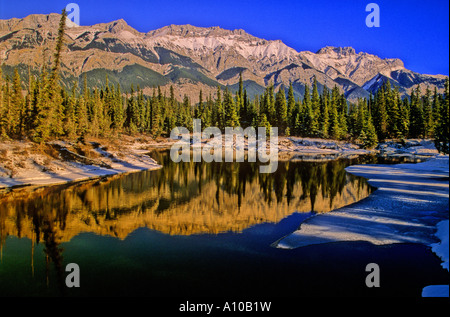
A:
(409, 200)
(415, 189)
(60, 162)
(25, 164)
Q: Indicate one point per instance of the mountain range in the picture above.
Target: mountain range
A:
(192, 58)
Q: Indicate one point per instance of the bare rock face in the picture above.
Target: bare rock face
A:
(358, 67)
(183, 55)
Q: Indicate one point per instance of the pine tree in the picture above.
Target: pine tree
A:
(281, 110)
(334, 130)
(307, 114)
(342, 113)
(17, 111)
(81, 112)
(368, 134)
(291, 106)
(245, 111)
(240, 95)
(416, 127)
(42, 110)
(2, 108)
(220, 115)
(231, 113)
(436, 108)
(117, 111)
(315, 108)
(393, 111)
(54, 89)
(170, 121)
(263, 122)
(28, 115)
(379, 112)
(442, 126)
(324, 116)
(427, 114)
(362, 114)
(156, 117)
(270, 105)
(7, 117)
(404, 117)
(70, 119)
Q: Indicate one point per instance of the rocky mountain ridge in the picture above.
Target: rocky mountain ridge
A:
(193, 58)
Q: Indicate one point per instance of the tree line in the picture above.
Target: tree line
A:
(47, 111)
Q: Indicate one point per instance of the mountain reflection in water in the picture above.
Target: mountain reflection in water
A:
(214, 203)
(181, 198)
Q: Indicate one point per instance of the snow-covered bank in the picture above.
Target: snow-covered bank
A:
(26, 164)
(409, 202)
(441, 250)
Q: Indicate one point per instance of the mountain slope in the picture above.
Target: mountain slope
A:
(193, 58)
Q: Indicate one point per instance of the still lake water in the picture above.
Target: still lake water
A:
(197, 229)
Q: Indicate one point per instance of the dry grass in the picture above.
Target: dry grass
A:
(3, 154)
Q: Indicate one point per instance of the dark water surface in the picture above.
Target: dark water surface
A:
(199, 229)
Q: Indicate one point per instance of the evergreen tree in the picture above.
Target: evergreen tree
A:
(281, 110)
(404, 117)
(428, 124)
(324, 116)
(270, 105)
(315, 108)
(291, 106)
(7, 119)
(380, 115)
(117, 110)
(240, 95)
(334, 129)
(42, 110)
(436, 107)
(156, 117)
(342, 113)
(368, 134)
(231, 113)
(2, 109)
(442, 126)
(417, 127)
(263, 122)
(220, 114)
(307, 114)
(54, 90)
(17, 111)
(81, 112)
(170, 121)
(393, 111)
(70, 120)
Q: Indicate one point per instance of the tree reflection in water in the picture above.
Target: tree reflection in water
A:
(181, 198)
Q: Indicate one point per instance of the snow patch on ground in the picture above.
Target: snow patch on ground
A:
(24, 164)
(441, 248)
(409, 202)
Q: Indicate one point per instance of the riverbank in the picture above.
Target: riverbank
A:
(58, 162)
(23, 163)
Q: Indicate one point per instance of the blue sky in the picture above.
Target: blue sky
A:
(414, 31)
